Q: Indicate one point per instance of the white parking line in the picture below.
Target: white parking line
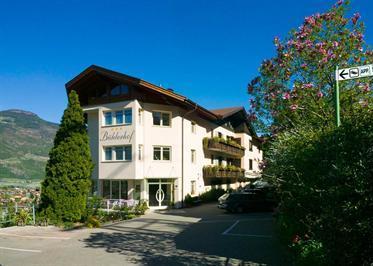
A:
(23, 250)
(228, 221)
(36, 237)
(230, 228)
(248, 235)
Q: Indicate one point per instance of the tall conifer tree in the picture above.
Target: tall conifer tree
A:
(67, 183)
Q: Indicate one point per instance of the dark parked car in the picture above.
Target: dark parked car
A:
(249, 200)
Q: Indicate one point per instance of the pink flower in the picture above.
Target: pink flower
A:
(310, 20)
(293, 107)
(335, 44)
(286, 96)
(252, 103)
(320, 94)
(307, 86)
(252, 116)
(364, 87)
(355, 18)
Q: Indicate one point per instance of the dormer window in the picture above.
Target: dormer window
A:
(119, 90)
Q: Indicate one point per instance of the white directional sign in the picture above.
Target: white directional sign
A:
(354, 72)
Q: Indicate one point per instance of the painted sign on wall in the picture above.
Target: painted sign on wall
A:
(114, 135)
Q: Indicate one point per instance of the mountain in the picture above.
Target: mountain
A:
(25, 141)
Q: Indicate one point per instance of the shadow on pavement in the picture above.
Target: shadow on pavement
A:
(166, 239)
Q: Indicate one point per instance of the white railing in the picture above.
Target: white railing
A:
(112, 203)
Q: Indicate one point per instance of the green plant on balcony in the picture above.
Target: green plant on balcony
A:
(230, 142)
(213, 169)
(205, 142)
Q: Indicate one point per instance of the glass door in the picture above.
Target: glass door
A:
(153, 188)
(160, 193)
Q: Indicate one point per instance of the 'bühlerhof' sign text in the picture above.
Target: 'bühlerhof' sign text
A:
(117, 135)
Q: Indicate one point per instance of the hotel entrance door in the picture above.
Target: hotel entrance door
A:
(160, 192)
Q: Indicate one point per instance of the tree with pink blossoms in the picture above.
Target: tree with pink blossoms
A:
(297, 85)
(322, 173)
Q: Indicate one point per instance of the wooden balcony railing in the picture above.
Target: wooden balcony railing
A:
(214, 172)
(231, 148)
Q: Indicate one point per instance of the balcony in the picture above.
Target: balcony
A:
(224, 147)
(223, 172)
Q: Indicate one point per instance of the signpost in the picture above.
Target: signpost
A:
(346, 74)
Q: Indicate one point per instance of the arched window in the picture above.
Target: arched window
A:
(119, 90)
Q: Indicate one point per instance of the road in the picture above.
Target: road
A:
(201, 235)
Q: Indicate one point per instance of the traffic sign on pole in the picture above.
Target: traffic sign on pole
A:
(354, 72)
(346, 74)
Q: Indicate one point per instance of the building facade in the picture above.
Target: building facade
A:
(150, 143)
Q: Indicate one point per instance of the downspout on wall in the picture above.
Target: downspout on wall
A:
(182, 152)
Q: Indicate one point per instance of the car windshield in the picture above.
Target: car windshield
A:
(224, 197)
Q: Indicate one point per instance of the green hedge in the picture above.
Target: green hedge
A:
(325, 179)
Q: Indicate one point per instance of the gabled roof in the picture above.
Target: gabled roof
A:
(226, 112)
(217, 115)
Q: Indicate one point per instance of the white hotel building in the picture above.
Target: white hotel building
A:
(153, 144)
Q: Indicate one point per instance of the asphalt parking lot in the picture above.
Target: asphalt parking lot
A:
(201, 235)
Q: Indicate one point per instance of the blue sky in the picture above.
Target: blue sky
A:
(205, 50)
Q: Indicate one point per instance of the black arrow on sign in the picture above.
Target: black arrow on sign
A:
(343, 74)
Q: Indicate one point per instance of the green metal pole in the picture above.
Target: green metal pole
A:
(337, 109)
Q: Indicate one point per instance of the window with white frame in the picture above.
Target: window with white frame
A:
(161, 118)
(119, 117)
(118, 153)
(193, 156)
(108, 118)
(193, 126)
(161, 153)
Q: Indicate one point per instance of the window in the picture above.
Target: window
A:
(128, 116)
(156, 118)
(162, 119)
(193, 156)
(108, 119)
(115, 189)
(108, 154)
(220, 135)
(118, 153)
(212, 159)
(122, 117)
(193, 127)
(106, 189)
(119, 90)
(250, 164)
(119, 117)
(128, 153)
(193, 187)
(166, 154)
(157, 153)
(161, 153)
(250, 146)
